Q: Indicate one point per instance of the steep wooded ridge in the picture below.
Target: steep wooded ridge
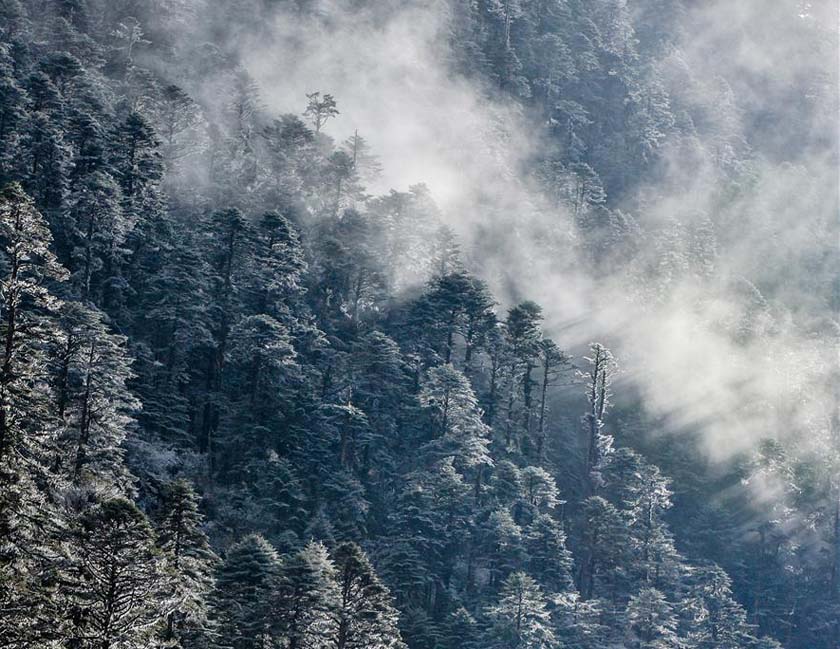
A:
(246, 404)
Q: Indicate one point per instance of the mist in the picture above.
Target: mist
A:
(244, 370)
(680, 340)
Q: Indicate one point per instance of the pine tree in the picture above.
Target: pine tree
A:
(651, 621)
(92, 397)
(455, 304)
(229, 236)
(460, 433)
(365, 163)
(27, 425)
(350, 272)
(177, 325)
(46, 162)
(520, 619)
(278, 263)
(320, 109)
(539, 489)
(179, 121)
(307, 598)
(645, 494)
(136, 160)
(260, 350)
(606, 538)
(548, 557)
(500, 377)
(583, 623)
(716, 620)
(12, 114)
(429, 526)
(246, 586)
(365, 616)
(598, 378)
(524, 335)
(181, 538)
(461, 630)
(96, 228)
(553, 363)
(28, 310)
(121, 594)
(501, 542)
(278, 501)
(376, 374)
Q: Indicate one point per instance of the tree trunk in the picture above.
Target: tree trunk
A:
(84, 422)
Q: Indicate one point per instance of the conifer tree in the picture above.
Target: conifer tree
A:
(455, 304)
(179, 121)
(96, 229)
(645, 494)
(228, 239)
(320, 109)
(598, 378)
(548, 557)
(307, 598)
(12, 114)
(651, 621)
(279, 264)
(524, 335)
(552, 364)
(716, 620)
(136, 161)
(606, 537)
(177, 322)
(185, 545)
(501, 540)
(461, 630)
(28, 521)
(460, 433)
(520, 619)
(93, 400)
(365, 162)
(246, 587)
(429, 526)
(121, 593)
(365, 616)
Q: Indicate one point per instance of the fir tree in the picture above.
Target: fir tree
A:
(121, 592)
(307, 598)
(460, 433)
(181, 537)
(716, 620)
(93, 400)
(27, 425)
(246, 587)
(548, 557)
(651, 621)
(520, 619)
(365, 615)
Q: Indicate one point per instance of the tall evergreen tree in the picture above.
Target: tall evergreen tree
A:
(246, 586)
(121, 592)
(365, 615)
(651, 621)
(521, 618)
(185, 545)
(27, 426)
(93, 400)
(308, 598)
(460, 433)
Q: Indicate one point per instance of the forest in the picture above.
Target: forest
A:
(419, 324)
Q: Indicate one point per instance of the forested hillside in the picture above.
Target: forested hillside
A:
(252, 397)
